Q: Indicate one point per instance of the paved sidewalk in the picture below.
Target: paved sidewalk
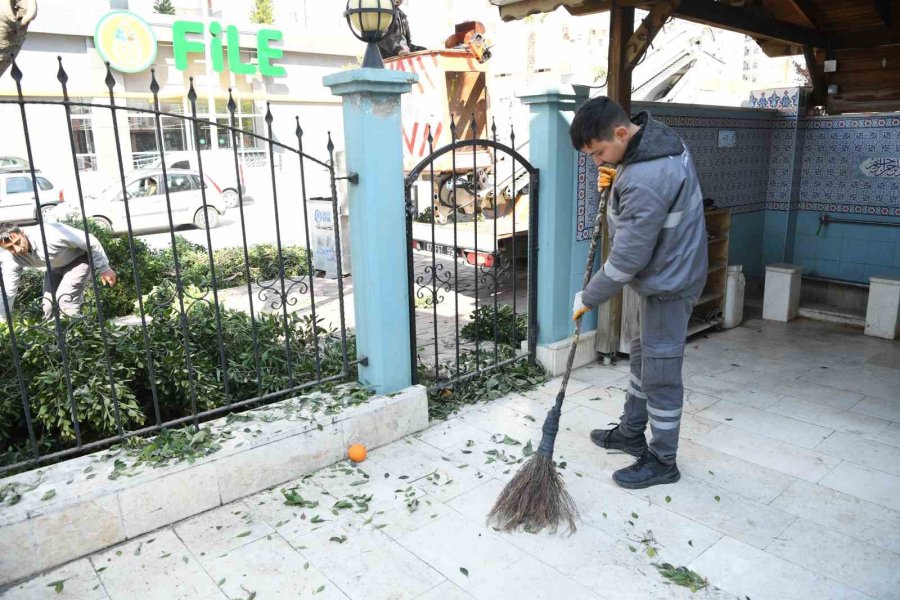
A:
(790, 457)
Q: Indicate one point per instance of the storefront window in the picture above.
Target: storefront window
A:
(142, 129)
(246, 119)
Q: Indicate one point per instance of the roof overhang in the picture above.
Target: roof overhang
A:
(777, 36)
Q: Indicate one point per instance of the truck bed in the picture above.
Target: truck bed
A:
(466, 239)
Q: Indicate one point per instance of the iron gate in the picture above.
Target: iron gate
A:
(474, 236)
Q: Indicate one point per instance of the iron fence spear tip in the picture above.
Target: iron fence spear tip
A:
(154, 85)
(110, 80)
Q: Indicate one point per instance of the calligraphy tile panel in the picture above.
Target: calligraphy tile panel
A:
(851, 165)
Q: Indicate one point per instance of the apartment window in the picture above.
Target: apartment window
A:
(82, 120)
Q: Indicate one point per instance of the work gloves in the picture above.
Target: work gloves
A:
(579, 307)
(605, 177)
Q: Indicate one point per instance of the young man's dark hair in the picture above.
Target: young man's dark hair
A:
(597, 119)
(7, 229)
(658, 232)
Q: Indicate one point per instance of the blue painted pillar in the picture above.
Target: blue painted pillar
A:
(373, 142)
(561, 256)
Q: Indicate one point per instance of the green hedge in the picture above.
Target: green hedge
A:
(46, 384)
(44, 373)
(482, 326)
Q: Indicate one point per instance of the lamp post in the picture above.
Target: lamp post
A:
(369, 21)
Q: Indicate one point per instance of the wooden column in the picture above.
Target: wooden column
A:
(621, 28)
(816, 75)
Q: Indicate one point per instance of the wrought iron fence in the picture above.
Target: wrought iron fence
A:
(475, 242)
(77, 378)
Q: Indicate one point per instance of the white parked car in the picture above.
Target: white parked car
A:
(147, 202)
(17, 195)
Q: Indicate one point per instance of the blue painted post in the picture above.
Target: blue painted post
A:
(372, 133)
(561, 257)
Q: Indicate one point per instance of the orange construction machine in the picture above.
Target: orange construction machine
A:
(452, 88)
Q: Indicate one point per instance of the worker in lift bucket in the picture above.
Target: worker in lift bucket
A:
(397, 41)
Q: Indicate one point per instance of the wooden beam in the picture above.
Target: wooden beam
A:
(640, 40)
(621, 26)
(884, 11)
(809, 11)
(589, 7)
(737, 19)
(511, 10)
(868, 38)
(818, 77)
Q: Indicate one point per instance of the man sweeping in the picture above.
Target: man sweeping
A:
(658, 233)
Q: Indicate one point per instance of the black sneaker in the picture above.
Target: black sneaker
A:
(614, 439)
(646, 471)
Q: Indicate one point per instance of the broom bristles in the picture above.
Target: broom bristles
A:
(536, 498)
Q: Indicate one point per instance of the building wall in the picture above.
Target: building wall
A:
(68, 33)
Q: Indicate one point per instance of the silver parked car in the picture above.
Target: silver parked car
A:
(17, 196)
(147, 202)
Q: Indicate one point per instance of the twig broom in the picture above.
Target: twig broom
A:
(537, 497)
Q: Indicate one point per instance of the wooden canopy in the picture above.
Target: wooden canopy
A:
(861, 36)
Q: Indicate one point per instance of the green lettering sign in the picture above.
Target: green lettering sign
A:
(266, 54)
(234, 53)
(181, 46)
(128, 43)
(218, 62)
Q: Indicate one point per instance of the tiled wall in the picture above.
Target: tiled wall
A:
(842, 251)
(745, 244)
(850, 168)
(735, 177)
(783, 172)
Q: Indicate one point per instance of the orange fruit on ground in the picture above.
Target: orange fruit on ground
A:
(356, 453)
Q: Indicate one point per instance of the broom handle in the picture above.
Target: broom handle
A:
(588, 270)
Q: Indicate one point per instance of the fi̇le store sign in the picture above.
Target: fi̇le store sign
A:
(128, 43)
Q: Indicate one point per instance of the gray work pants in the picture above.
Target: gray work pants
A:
(67, 283)
(655, 390)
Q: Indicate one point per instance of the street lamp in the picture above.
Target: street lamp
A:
(369, 21)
